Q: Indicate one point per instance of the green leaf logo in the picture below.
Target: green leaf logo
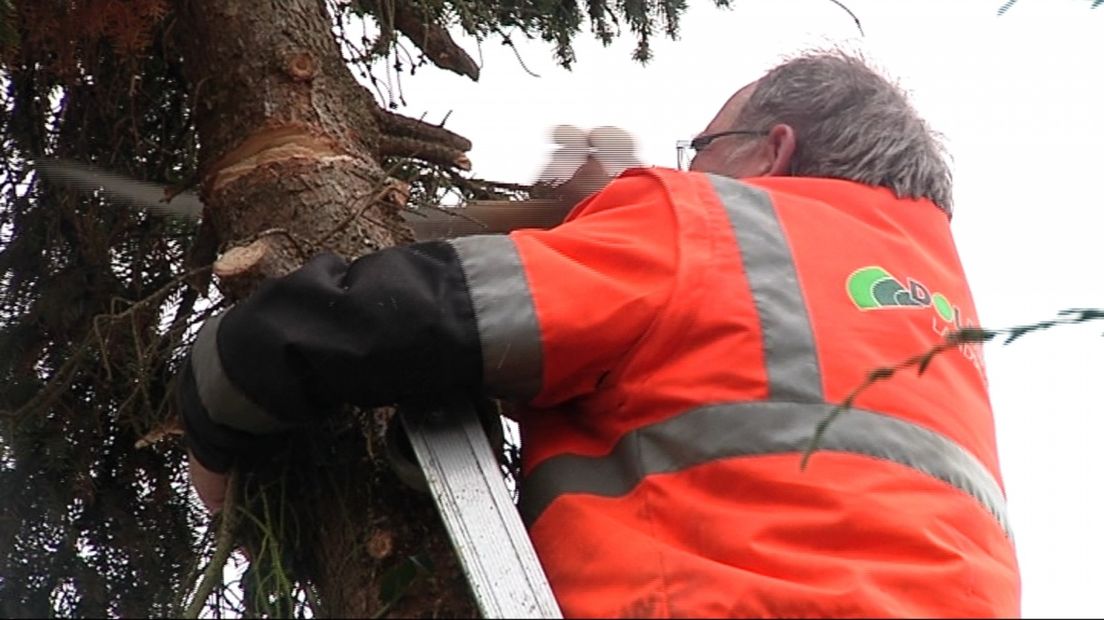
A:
(943, 307)
(872, 287)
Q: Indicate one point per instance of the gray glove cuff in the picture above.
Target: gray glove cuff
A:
(225, 403)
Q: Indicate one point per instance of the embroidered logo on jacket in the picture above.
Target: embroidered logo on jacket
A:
(874, 288)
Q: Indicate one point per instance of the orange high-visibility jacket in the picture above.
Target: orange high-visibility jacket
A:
(679, 338)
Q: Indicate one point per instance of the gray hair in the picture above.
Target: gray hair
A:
(851, 123)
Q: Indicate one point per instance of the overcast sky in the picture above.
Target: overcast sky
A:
(1019, 99)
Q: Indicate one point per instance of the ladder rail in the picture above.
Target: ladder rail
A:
(467, 485)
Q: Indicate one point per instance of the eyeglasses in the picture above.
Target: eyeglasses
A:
(702, 141)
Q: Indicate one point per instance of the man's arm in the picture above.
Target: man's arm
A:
(537, 316)
(389, 326)
(560, 310)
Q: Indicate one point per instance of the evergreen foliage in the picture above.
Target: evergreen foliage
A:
(98, 302)
(1008, 4)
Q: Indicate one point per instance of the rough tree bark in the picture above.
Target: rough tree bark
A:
(289, 167)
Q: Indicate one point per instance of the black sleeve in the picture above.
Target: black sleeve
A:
(388, 327)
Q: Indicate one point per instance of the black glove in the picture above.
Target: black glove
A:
(390, 326)
(239, 430)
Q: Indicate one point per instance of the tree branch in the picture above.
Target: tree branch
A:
(431, 38)
(962, 336)
(426, 151)
(854, 17)
(224, 545)
(408, 137)
(398, 125)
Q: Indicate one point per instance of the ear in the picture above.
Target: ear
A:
(780, 145)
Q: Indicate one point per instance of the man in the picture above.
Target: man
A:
(674, 343)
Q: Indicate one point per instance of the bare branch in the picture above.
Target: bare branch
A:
(426, 151)
(843, 6)
(398, 125)
(224, 545)
(431, 38)
(408, 137)
(965, 335)
(507, 41)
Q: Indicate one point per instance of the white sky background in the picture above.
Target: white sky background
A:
(1019, 99)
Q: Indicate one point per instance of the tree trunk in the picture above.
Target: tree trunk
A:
(289, 160)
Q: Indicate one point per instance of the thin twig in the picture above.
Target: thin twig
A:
(63, 377)
(313, 602)
(193, 572)
(921, 361)
(368, 204)
(285, 233)
(1004, 7)
(843, 6)
(224, 545)
(507, 41)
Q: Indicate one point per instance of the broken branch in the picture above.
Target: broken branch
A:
(433, 153)
(398, 125)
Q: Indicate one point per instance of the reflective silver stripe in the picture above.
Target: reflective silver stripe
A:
(793, 371)
(504, 313)
(755, 429)
(225, 403)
